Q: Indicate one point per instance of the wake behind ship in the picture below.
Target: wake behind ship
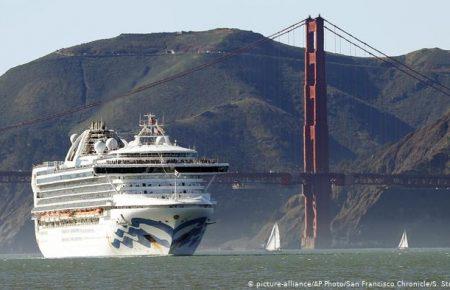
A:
(109, 197)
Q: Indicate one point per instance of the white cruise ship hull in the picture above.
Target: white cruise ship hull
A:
(110, 197)
(155, 231)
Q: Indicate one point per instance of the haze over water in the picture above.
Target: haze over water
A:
(231, 270)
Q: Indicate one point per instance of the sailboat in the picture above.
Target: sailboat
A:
(403, 242)
(273, 243)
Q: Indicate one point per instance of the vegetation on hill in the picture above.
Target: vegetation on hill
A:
(375, 216)
(247, 110)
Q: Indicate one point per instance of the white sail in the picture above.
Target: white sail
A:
(273, 243)
(403, 241)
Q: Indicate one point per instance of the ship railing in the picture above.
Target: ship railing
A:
(169, 195)
(56, 164)
(68, 222)
(84, 197)
(48, 164)
(101, 203)
(166, 161)
(61, 169)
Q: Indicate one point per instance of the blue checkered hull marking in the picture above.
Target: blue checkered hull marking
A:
(180, 238)
(185, 242)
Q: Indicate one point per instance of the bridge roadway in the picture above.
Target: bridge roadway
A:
(284, 178)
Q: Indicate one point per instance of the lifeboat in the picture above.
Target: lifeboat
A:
(89, 212)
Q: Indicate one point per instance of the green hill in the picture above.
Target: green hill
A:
(375, 216)
(247, 110)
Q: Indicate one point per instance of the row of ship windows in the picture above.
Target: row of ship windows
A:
(163, 184)
(80, 204)
(170, 206)
(155, 176)
(86, 174)
(150, 161)
(44, 172)
(98, 195)
(72, 198)
(102, 179)
(73, 222)
(157, 154)
(106, 187)
(161, 161)
(63, 177)
(74, 183)
(74, 190)
(159, 170)
(150, 192)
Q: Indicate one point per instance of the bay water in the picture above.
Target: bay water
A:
(321, 269)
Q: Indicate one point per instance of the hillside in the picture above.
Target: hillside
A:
(246, 110)
(376, 216)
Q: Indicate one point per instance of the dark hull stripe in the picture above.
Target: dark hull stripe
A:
(145, 169)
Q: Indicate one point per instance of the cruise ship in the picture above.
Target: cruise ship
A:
(110, 197)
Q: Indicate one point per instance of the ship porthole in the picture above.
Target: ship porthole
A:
(176, 216)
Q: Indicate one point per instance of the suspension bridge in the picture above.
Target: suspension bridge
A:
(316, 178)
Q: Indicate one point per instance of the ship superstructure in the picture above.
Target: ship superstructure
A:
(113, 197)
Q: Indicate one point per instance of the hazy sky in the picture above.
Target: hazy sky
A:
(33, 28)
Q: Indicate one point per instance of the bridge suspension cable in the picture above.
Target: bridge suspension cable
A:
(371, 50)
(159, 82)
(346, 36)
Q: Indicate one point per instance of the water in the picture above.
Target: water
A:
(209, 270)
